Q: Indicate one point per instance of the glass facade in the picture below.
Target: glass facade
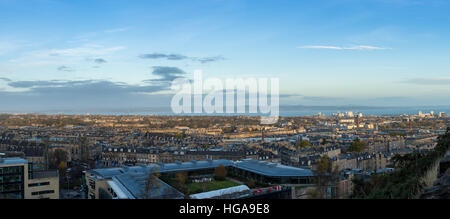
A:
(12, 182)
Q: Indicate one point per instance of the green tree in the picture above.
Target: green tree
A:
(357, 146)
(303, 144)
(406, 182)
(326, 176)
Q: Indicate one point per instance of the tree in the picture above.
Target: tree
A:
(152, 182)
(326, 176)
(220, 172)
(406, 182)
(62, 168)
(181, 179)
(303, 143)
(357, 146)
(56, 157)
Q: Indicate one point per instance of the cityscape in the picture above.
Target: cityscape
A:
(117, 157)
(220, 107)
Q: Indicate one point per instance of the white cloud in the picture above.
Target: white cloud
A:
(65, 56)
(360, 47)
(88, 50)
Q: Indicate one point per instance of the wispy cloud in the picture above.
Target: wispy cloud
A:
(65, 68)
(176, 57)
(360, 47)
(100, 61)
(209, 59)
(87, 50)
(163, 56)
(166, 74)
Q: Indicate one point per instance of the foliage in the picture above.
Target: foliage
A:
(325, 176)
(357, 146)
(181, 178)
(406, 182)
(62, 169)
(56, 157)
(220, 172)
(303, 143)
(210, 186)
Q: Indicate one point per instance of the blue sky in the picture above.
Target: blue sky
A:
(59, 54)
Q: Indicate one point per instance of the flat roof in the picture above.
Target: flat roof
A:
(193, 165)
(134, 183)
(12, 160)
(271, 169)
(259, 167)
(120, 192)
(107, 172)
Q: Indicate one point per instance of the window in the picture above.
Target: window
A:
(43, 192)
(39, 184)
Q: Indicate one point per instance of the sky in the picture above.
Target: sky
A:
(86, 54)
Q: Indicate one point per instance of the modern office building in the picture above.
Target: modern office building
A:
(19, 181)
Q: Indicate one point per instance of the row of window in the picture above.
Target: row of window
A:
(11, 170)
(39, 184)
(11, 187)
(43, 192)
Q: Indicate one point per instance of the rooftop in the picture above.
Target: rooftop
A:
(259, 167)
(271, 169)
(45, 174)
(12, 160)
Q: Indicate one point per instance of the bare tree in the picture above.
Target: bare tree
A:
(152, 183)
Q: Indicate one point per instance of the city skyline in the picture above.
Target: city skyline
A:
(88, 54)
